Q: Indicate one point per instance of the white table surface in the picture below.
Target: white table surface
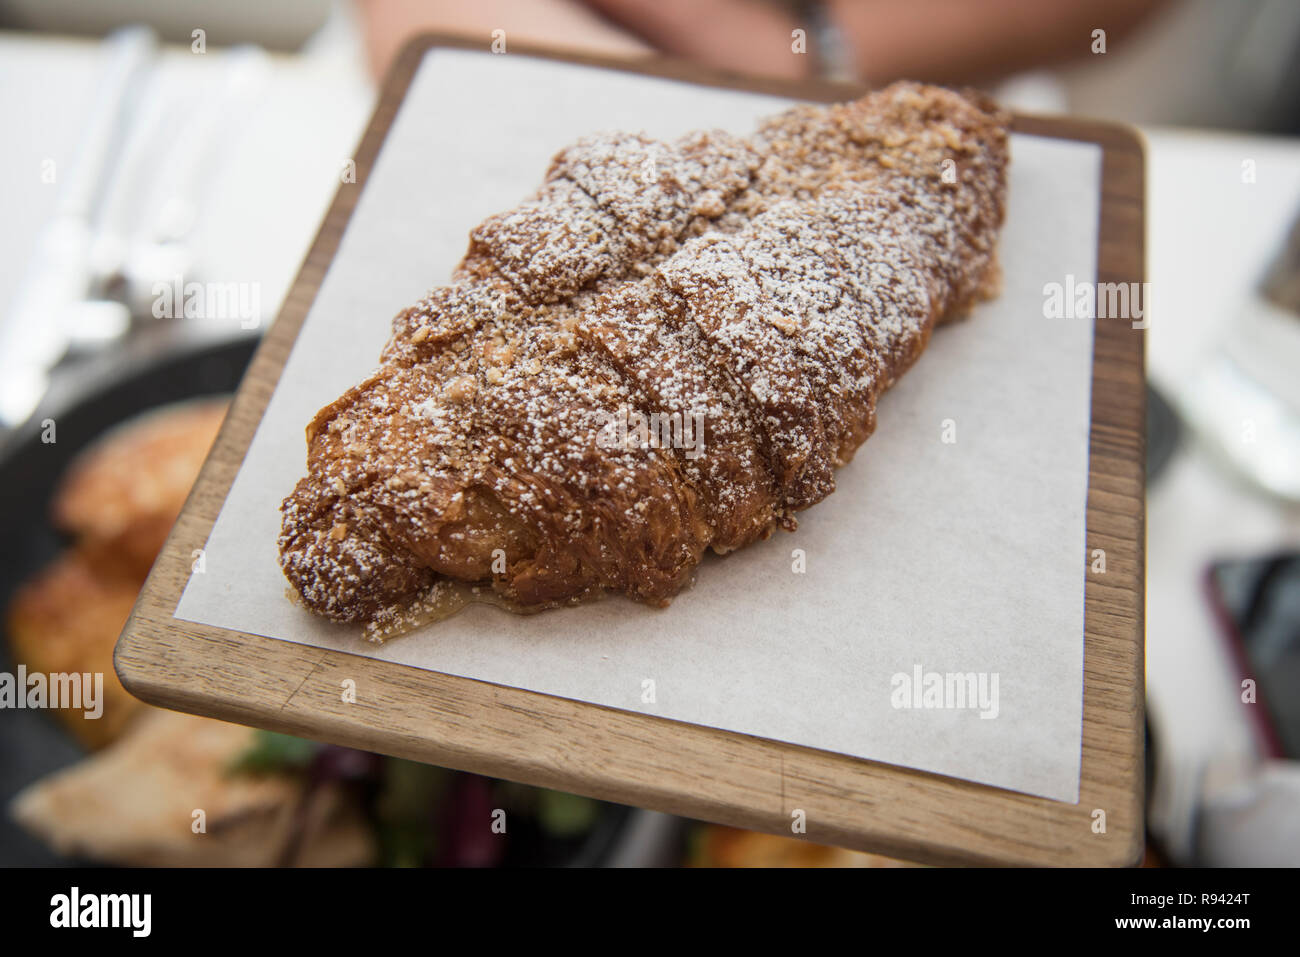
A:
(280, 175)
(1209, 237)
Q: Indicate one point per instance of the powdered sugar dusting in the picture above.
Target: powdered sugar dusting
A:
(776, 285)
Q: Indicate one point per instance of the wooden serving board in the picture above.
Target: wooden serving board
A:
(668, 765)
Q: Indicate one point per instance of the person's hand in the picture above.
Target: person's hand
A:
(936, 41)
(737, 35)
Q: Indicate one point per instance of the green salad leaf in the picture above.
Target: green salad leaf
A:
(565, 815)
(272, 753)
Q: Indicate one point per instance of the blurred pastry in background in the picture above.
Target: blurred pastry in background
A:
(137, 800)
(121, 496)
(716, 846)
(173, 793)
(66, 621)
(118, 501)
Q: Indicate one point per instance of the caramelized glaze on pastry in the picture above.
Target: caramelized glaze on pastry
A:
(772, 286)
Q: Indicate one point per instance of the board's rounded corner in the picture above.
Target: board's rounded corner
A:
(1133, 138)
(1129, 852)
(1135, 851)
(125, 658)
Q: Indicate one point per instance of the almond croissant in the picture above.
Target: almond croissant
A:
(746, 300)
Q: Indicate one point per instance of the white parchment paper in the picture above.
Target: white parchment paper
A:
(964, 556)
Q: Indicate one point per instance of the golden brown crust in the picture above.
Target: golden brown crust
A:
(768, 289)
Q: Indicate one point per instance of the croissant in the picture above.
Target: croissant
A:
(669, 348)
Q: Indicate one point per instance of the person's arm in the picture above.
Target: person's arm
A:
(941, 41)
(970, 41)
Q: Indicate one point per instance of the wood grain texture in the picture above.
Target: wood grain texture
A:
(655, 762)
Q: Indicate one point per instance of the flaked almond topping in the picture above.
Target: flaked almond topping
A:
(461, 389)
(787, 324)
(499, 353)
(828, 256)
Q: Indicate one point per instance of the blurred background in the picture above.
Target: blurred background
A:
(149, 140)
